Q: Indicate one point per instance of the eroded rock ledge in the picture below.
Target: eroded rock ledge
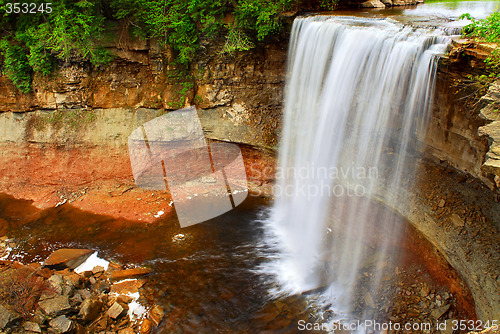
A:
(491, 114)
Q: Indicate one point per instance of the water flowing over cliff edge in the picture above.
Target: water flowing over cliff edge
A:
(358, 91)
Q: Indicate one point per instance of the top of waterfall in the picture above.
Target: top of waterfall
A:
(436, 14)
(387, 24)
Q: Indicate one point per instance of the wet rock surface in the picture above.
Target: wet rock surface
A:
(67, 258)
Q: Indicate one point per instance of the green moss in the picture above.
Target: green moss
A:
(79, 29)
(65, 118)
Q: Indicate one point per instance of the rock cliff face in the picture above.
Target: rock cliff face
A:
(463, 125)
(239, 99)
(242, 92)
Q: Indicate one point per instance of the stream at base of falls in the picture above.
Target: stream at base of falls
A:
(209, 280)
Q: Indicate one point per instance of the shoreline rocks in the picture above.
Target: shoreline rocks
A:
(66, 301)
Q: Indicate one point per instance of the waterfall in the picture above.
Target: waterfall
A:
(357, 93)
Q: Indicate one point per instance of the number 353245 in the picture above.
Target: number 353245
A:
(28, 8)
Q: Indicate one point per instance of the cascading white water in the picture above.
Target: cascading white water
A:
(357, 92)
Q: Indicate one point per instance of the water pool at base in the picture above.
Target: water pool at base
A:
(207, 277)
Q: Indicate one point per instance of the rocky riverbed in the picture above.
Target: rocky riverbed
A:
(70, 293)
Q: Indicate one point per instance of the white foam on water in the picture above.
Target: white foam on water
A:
(92, 262)
(136, 310)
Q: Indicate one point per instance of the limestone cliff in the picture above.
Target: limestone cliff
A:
(239, 96)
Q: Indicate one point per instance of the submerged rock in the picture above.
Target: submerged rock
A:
(457, 220)
(438, 312)
(129, 273)
(156, 314)
(146, 326)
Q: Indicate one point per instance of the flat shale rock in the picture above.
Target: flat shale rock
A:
(55, 306)
(7, 317)
(67, 258)
(62, 324)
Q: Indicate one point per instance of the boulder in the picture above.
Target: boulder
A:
(39, 317)
(89, 310)
(156, 314)
(55, 306)
(76, 299)
(116, 310)
(32, 327)
(7, 317)
(56, 281)
(84, 293)
(73, 279)
(62, 324)
(67, 258)
(98, 270)
(101, 287)
(372, 4)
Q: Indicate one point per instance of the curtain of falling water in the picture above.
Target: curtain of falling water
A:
(357, 92)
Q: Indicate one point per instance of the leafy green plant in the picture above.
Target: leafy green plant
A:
(34, 41)
(181, 24)
(16, 65)
(177, 23)
(77, 29)
(486, 30)
(328, 4)
(260, 16)
(70, 118)
(182, 93)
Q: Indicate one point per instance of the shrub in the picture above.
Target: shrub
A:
(33, 41)
(20, 290)
(16, 65)
(487, 30)
(77, 28)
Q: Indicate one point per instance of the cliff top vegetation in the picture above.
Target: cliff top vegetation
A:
(35, 35)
